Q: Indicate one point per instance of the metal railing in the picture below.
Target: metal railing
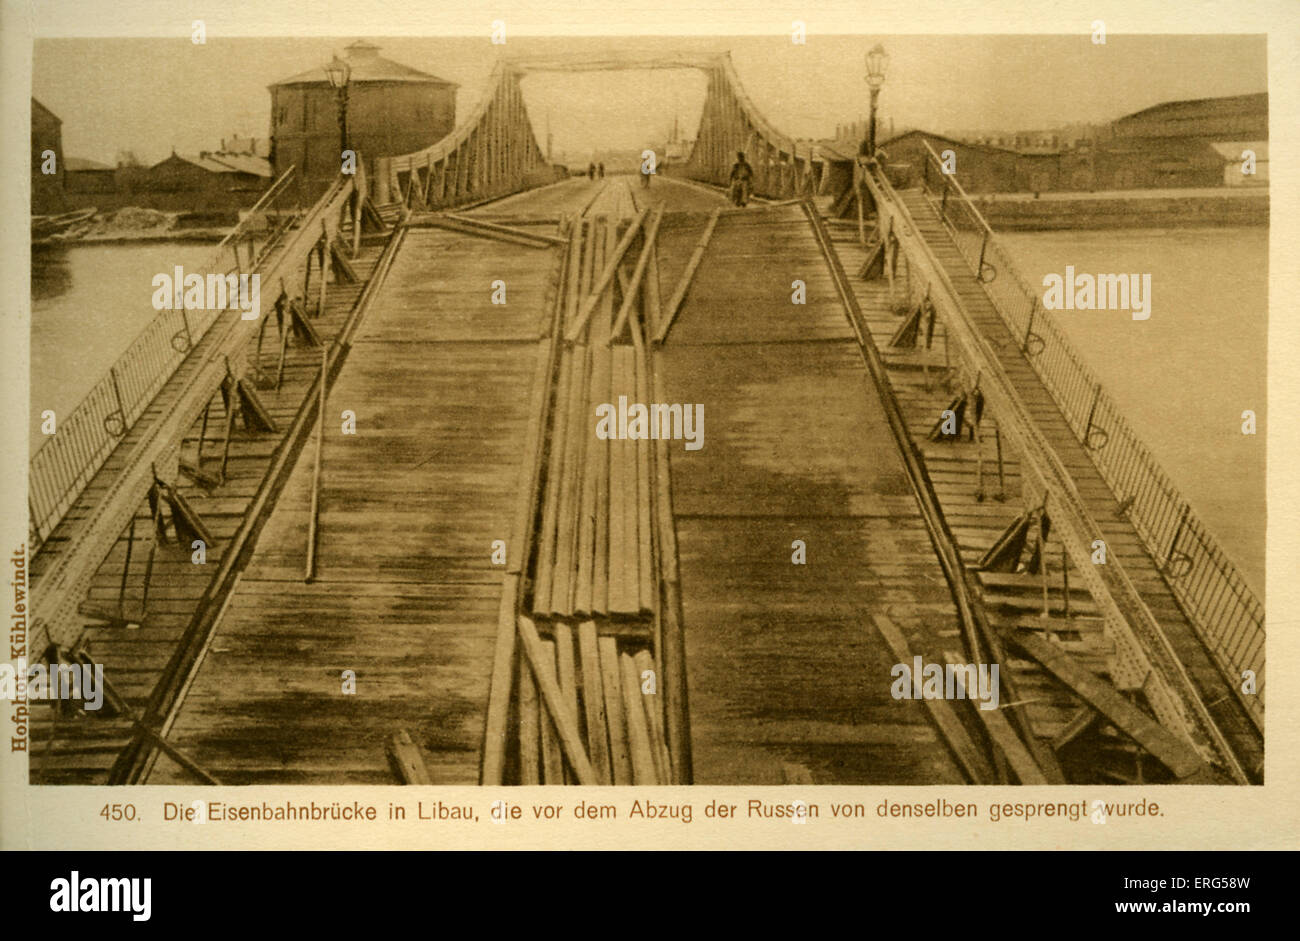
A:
(1221, 606)
(66, 461)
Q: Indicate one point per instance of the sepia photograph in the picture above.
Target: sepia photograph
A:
(756, 410)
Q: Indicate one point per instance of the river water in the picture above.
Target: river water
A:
(1183, 377)
(88, 303)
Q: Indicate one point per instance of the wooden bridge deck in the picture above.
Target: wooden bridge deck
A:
(788, 678)
(406, 594)
(788, 665)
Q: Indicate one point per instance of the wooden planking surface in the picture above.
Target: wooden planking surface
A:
(406, 594)
(783, 662)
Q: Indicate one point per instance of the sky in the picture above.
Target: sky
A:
(155, 95)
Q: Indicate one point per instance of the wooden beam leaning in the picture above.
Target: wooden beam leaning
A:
(669, 314)
(526, 239)
(631, 292)
(1018, 756)
(606, 276)
(1177, 755)
(501, 685)
(565, 724)
(313, 521)
(506, 230)
(593, 701)
(644, 770)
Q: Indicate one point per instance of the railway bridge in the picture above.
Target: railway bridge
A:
(379, 533)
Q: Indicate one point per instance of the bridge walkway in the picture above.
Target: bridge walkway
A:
(1121, 538)
(135, 650)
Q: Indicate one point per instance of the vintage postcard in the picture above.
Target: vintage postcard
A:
(514, 428)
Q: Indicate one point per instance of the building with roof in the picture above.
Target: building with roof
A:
(83, 177)
(392, 109)
(1231, 118)
(47, 136)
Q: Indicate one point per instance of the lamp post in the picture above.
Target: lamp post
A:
(339, 73)
(877, 60)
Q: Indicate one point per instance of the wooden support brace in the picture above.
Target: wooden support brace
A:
(1004, 555)
(186, 521)
(123, 708)
(301, 325)
(254, 413)
(343, 268)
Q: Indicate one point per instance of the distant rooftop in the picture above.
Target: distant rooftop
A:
(1230, 104)
(81, 163)
(224, 163)
(367, 65)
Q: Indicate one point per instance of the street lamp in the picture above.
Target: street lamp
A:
(339, 72)
(877, 60)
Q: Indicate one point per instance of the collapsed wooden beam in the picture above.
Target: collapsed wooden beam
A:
(1176, 754)
(526, 239)
(1027, 765)
(500, 687)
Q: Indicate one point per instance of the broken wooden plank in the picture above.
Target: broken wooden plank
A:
(406, 759)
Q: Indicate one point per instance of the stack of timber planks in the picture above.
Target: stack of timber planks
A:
(589, 625)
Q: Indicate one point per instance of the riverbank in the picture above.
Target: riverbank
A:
(1131, 209)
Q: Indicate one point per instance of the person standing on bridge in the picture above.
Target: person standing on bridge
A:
(742, 174)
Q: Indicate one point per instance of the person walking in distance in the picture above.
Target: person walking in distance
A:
(591, 171)
(600, 170)
(742, 175)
